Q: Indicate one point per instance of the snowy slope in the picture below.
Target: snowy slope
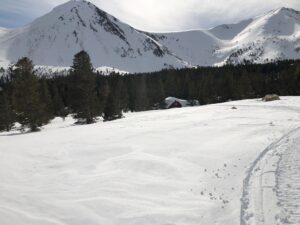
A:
(181, 166)
(197, 47)
(229, 31)
(273, 36)
(53, 39)
(45, 71)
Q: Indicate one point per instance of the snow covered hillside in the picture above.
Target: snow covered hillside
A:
(53, 39)
(182, 167)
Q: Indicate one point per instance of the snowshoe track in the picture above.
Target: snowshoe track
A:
(288, 184)
(271, 194)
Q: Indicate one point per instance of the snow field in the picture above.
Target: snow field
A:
(170, 167)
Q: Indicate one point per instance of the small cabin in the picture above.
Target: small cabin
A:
(172, 102)
(175, 104)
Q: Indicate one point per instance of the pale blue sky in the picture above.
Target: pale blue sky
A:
(152, 15)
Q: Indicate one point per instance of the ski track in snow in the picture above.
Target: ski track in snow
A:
(288, 183)
(271, 192)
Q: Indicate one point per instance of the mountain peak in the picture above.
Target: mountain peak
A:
(78, 1)
(82, 16)
(285, 9)
(53, 39)
(77, 6)
(74, 2)
(286, 12)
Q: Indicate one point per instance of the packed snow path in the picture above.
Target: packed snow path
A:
(288, 183)
(272, 188)
(166, 167)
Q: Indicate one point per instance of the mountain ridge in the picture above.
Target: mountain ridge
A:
(54, 38)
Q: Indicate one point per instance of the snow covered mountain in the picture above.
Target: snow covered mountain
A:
(270, 37)
(273, 36)
(53, 39)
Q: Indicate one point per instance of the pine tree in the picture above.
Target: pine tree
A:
(141, 102)
(156, 94)
(58, 104)
(46, 98)
(102, 92)
(26, 98)
(245, 89)
(113, 106)
(111, 110)
(83, 89)
(6, 112)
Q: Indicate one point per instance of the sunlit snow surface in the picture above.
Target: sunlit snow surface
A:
(169, 167)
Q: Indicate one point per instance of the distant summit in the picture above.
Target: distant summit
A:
(53, 39)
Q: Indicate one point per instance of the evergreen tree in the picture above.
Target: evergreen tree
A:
(123, 93)
(83, 89)
(58, 104)
(207, 89)
(141, 102)
(46, 99)
(102, 92)
(113, 106)
(26, 98)
(156, 93)
(244, 87)
(6, 112)
(114, 94)
(112, 110)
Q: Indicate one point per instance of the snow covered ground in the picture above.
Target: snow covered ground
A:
(171, 167)
(272, 187)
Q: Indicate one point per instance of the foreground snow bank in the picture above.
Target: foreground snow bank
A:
(181, 167)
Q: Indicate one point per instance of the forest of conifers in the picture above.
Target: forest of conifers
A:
(33, 100)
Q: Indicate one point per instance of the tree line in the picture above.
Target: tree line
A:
(33, 100)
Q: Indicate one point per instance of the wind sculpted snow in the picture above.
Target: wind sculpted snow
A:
(180, 166)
